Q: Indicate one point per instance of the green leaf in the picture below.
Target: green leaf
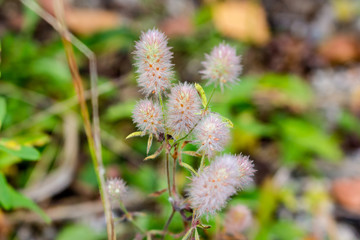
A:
(20, 201)
(78, 231)
(196, 234)
(135, 134)
(120, 111)
(188, 167)
(150, 140)
(192, 153)
(157, 153)
(187, 235)
(202, 95)
(5, 198)
(307, 138)
(24, 152)
(2, 110)
(284, 230)
(227, 121)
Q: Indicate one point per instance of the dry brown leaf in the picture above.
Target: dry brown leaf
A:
(85, 21)
(347, 192)
(340, 49)
(245, 21)
(177, 26)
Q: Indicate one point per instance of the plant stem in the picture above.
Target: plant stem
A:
(130, 218)
(168, 222)
(167, 151)
(202, 163)
(98, 166)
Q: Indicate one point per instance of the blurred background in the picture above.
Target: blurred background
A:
(295, 112)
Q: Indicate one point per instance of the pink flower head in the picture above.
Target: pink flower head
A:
(153, 63)
(183, 108)
(221, 66)
(148, 117)
(116, 188)
(209, 192)
(212, 134)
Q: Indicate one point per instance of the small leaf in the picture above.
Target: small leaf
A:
(154, 155)
(196, 234)
(188, 167)
(5, 198)
(203, 226)
(192, 153)
(227, 121)
(149, 143)
(187, 235)
(158, 193)
(135, 134)
(201, 92)
(25, 152)
(2, 110)
(20, 201)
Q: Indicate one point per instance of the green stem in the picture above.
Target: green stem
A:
(130, 218)
(167, 151)
(202, 163)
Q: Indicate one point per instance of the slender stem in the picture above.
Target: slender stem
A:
(202, 163)
(167, 151)
(130, 218)
(174, 171)
(98, 166)
(168, 222)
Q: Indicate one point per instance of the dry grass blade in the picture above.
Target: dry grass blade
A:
(92, 132)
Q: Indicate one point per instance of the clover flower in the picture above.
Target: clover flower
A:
(147, 116)
(212, 134)
(153, 63)
(116, 188)
(184, 106)
(222, 66)
(211, 189)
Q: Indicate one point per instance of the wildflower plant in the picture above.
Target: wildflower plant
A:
(177, 114)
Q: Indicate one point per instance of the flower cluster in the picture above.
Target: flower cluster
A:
(212, 134)
(116, 188)
(222, 66)
(184, 107)
(180, 113)
(227, 174)
(148, 117)
(153, 63)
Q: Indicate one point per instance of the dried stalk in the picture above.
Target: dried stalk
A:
(92, 131)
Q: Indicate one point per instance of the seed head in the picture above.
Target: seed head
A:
(152, 56)
(238, 219)
(209, 192)
(116, 188)
(183, 108)
(222, 66)
(212, 134)
(147, 116)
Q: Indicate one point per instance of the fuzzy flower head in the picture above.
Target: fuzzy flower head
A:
(147, 116)
(183, 109)
(212, 134)
(152, 56)
(222, 66)
(209, 192)
(116, 188)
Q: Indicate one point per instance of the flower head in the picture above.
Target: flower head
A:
(116, 188)
(238, 219)
(221, 66)
(148, 117)
(183, 108)
(212, 134)
(153, 63)
(209, 192)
